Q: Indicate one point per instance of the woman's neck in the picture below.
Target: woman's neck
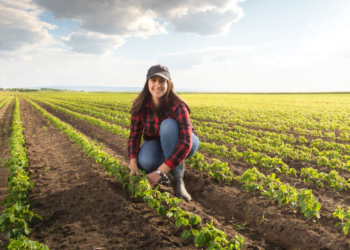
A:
(155, 102)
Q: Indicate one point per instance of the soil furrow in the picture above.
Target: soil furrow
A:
(239, 166)
(281, 228)
(291, 131)
(6, 115)
(295, 163)
(118, 145)
(80, 208)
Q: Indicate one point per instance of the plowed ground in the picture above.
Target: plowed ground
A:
(82, 208)
(6, 113)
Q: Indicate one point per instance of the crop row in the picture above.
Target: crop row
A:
(208, 235)
(4, 102)
(271, 187)
(263, 113)
(335, 181)
(212, 172)
(15, 218)
(332, 159)
(318, 143)
(334, 156)
(115, 129)
(111, 115)
(329, 158)
(259, 160)
(278, 123)
(274, 121)
(217, 169)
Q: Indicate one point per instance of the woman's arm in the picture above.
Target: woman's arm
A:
(136, 128)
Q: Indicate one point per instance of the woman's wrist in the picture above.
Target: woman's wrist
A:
(133, 163)
(164, 168)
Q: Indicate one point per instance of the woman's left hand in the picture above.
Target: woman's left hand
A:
(153, 178)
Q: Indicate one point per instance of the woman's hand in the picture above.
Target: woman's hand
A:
(133, 168)
(153, 178)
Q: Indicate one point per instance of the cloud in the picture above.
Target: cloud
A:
(20, 27)
(209, 22)
(56, 66)
(145, 18)
(192, 58)
(92, 43)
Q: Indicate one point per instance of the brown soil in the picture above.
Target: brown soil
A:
(294, 163)
(82, 208)
(115, 145)
(291, 131)
(280, 228)
(6, 115)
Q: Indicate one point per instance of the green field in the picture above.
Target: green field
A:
(272, 170)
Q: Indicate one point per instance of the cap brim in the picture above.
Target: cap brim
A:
(159, 74)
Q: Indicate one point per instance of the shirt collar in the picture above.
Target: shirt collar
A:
(149, 102)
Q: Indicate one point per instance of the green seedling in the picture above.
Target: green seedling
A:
(263, 217)
(51, 229)
(240, 227)
(344, 217)
(247, 211)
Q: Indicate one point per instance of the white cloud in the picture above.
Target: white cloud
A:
(52, 67)
(146, 18)
(20, 27)
(92, 43)
(192, 58)
(209, 22)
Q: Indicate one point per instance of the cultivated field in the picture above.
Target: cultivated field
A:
(272, 172)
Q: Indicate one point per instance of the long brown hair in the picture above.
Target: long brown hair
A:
(140, 101)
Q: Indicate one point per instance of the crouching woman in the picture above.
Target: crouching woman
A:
(162, 118)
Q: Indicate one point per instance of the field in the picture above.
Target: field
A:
(272, 172)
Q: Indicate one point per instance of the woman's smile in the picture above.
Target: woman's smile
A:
(157, 87)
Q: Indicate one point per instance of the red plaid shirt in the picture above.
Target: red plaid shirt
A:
(149, 124)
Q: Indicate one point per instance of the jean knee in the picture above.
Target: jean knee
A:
(147, 164)
(195, 145)
(150, 156)
(169, 127)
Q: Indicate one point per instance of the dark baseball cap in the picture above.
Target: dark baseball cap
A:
(159, 70)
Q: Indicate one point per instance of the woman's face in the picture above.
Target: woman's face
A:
(157, 87)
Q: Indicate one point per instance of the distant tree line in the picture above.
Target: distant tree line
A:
(32, 90)
(22, 90)
(49, 89)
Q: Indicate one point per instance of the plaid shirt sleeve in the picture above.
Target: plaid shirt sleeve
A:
(184, 144)
(136, 128)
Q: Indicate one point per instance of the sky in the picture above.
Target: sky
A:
(216, 45)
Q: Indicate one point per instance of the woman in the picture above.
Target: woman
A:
(162, 117)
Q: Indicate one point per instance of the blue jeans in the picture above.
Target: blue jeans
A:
(153, 153)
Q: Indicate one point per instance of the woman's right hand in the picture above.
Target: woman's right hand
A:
(133, 168)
